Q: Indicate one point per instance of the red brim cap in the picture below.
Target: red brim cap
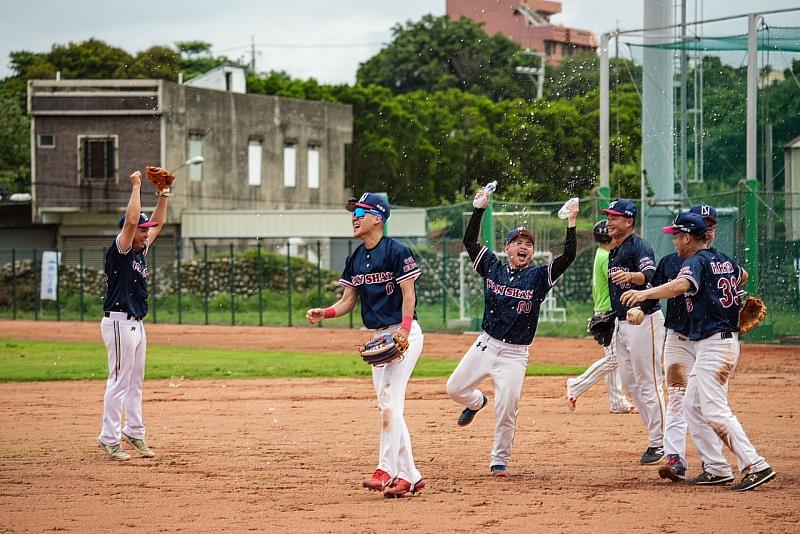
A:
(365, 206)
(671, 230)
(612, 212)
(148, 224)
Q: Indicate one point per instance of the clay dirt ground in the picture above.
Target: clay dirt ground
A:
(289, 455)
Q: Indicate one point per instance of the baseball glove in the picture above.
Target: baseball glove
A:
(385, 349)
(601, 326)
(160, 178)
(752, 314)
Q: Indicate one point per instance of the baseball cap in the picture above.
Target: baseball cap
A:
(144, 221)
(688, 223)
(707, 212)
(374, 202)
(517, 232)
(622, 207)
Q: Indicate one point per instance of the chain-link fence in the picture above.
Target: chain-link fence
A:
(272, 282)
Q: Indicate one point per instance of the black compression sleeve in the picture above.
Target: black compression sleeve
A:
(471, 234)
(561, 263)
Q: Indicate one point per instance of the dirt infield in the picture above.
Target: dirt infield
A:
(289, 455)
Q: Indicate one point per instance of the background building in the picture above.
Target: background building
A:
(527, 22)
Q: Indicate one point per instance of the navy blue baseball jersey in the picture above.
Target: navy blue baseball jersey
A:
(714, 298)
(126, 277)
(676, 318)
(512, 298)
(634, 254)
(376, 274)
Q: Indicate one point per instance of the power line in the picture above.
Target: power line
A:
(298, 45)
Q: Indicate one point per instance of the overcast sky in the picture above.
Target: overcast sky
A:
(324, 39)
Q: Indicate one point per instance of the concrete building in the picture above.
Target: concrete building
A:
(273, 169)
(527, 22)
(260, 152)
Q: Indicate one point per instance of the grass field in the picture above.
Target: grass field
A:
(45, 360)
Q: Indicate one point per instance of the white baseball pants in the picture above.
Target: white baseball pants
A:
(607, 367)
(506, 365)
(679, 361)
(708, 413)
(126, 343)
(390, 381)
(639, 349)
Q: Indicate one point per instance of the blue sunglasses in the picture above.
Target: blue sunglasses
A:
(359, 213)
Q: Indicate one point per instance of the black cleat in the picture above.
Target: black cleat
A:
(467, 415)
(753, 480)
(707, 479)
(652, 455)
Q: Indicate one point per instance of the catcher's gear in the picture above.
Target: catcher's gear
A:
(161, 178)
(752, 314)
(600, 232)
(385, 349)
(601, 325)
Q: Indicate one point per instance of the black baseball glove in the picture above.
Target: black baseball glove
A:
(601, 325)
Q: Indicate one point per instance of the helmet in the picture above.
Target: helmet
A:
(600, 232)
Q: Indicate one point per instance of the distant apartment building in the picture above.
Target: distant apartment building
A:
(526, 22)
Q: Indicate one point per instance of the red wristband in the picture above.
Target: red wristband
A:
(406, 324)
(330, 313)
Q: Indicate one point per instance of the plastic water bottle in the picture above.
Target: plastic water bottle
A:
(563, 213)
(489, 189)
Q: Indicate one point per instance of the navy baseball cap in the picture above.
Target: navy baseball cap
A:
(708, 213)
(376, 203)
(517, 232)
(144, 221)
(688, 223)
(622, 207)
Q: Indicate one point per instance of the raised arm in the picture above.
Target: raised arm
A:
(125, 239)
(159, 216)
(561, 263)
(471, 233)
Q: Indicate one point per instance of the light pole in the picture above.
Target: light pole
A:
(191, 161)
(532, 71)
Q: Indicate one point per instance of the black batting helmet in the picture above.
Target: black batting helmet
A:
(600, 232)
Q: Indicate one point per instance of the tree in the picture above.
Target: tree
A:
(15, 145)
(92, 58)
(157, 62)
(437, 53)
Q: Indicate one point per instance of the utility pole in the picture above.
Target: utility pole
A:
(252, 54)
(684, 107)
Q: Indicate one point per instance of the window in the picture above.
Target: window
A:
(47, 141)
(313, 167)
(254, 163)
(97, 157)
(196, 149)
(289, 165)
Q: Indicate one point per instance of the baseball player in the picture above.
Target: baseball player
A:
(711, 281)
(123, 332)
(638, 344)
(513, 294)
(607, 365)
(381, 272)
(679, 356)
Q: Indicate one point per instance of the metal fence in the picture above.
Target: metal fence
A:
(257, 282)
